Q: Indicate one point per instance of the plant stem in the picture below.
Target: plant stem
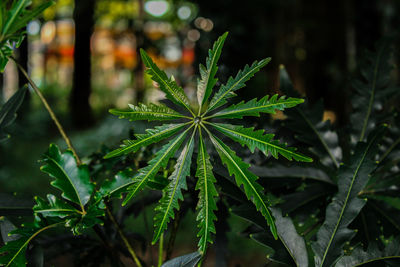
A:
(160, 250)
(47, 106)
(123, 237)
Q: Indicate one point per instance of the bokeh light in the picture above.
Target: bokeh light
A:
(156, 8)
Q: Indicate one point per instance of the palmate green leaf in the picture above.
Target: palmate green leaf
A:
(13, 253)
(226, 91)
(54, 207)
(373, 255)
(243, 176)
(173, 192)
(71, 179)
(207, 74)
(8, 111)
(254, 108)
(258, 139)
(151, 112)
(151, 136)
(207, 204)
(346, 205)
(173, 92)
(140, 180)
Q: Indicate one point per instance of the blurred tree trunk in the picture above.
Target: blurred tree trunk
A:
(1, 90)
(23, 61)
(81, 111)
(138, 72)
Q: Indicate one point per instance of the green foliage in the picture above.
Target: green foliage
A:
(207, 204)
(352, 178)
(13, 20)
(15, 249)
(172, 193)
(207, 74)
(226, 91)
(373, 255)
(72, 180)
(8, 111)
(344, 201)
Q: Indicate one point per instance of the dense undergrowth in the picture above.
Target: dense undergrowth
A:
(331, 202)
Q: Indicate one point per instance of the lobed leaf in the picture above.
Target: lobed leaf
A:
(207, 74)
(346, 205)
(151, 112)
(254, 108)
(245, 178)
(140, 180)
(257, 139)
(172, 193)
(373, 255)
(207, 204)
(226, 91)
(173, 92)
(54, 207)
(71, 179)
(151, 136)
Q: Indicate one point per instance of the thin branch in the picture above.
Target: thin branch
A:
(123, 237)
(47, 106)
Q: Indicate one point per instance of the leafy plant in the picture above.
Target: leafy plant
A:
(338, 209)
(14, 15)
(344, 202)
(202, 126)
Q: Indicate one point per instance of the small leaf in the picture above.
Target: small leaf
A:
(173, 92)
(151, 136)
(207, 81)
(243, 176)
(140, 180)
(254, 108)
(207, 204)
(151, 112)
(188, 260)
(71, 179)
(234, 84)
(54, 207)
(173, 192)
(257, 139)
